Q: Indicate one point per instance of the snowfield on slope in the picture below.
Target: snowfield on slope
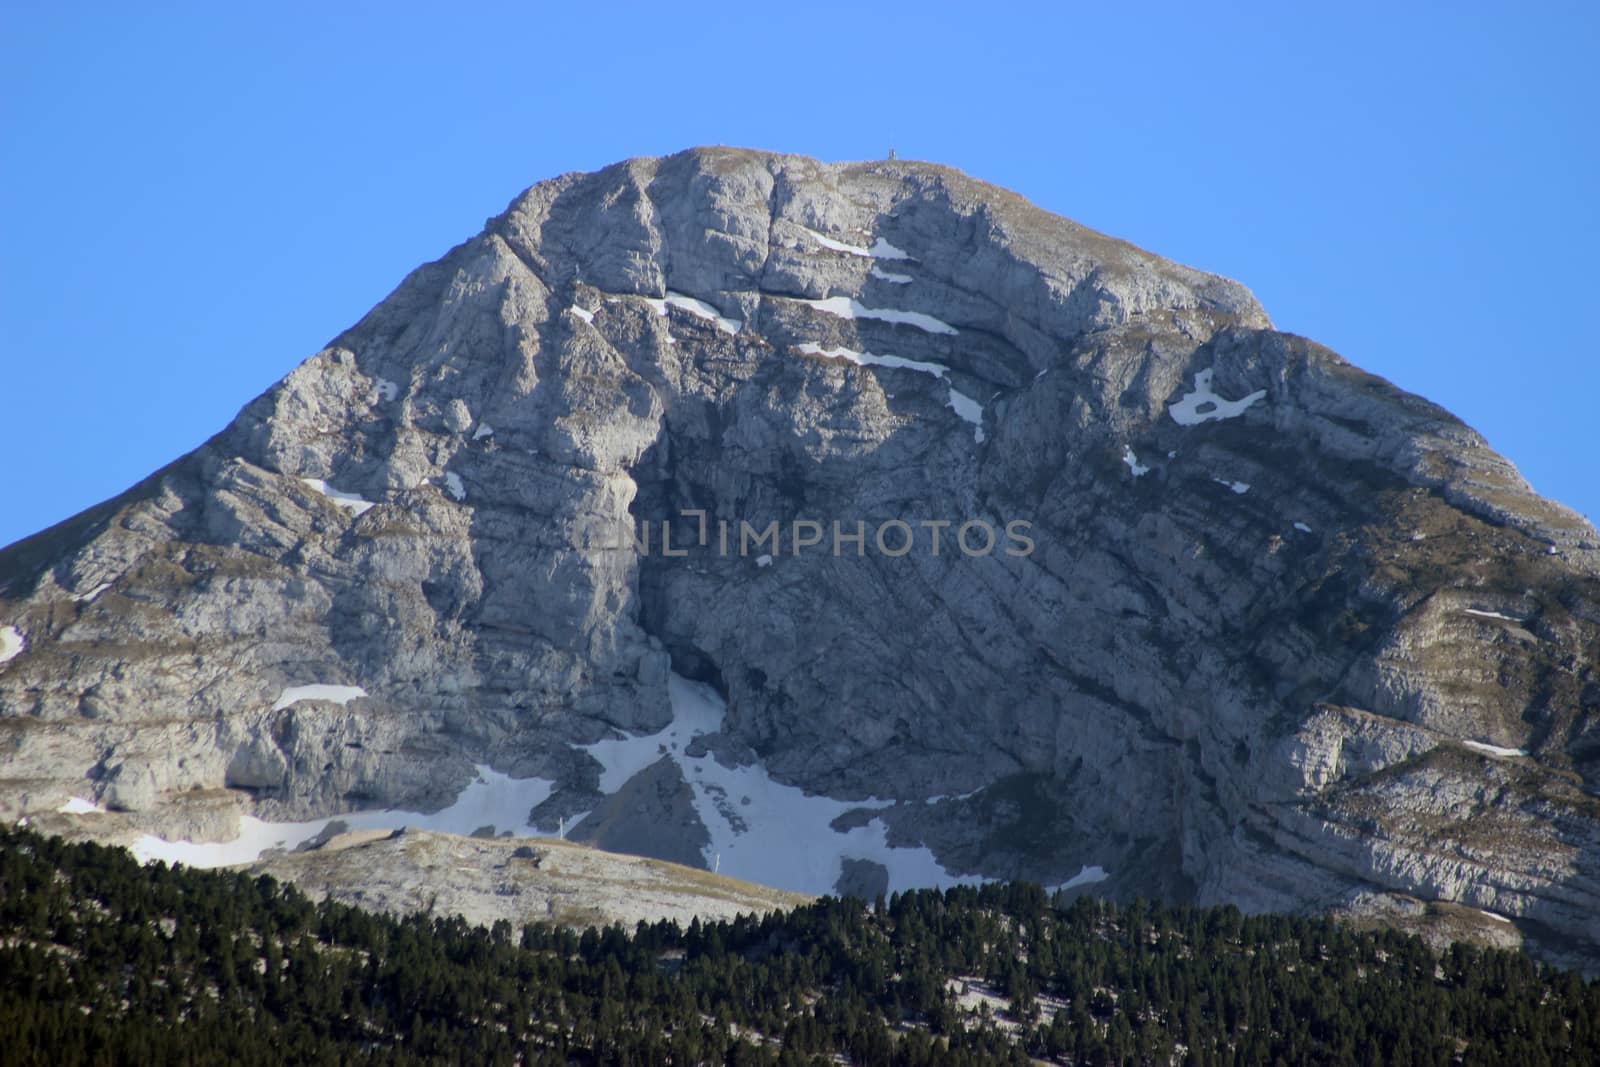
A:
(356, 504)
(696, 307)
(12, 642)
(1498, 751)
(761, 830)
(965, 407)
(337, 694)
(846, 307)
(1203, 404)
(492, 799)
(880, 249)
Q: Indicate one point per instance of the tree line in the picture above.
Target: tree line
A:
(105, 961)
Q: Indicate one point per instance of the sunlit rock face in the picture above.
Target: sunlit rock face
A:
(1213, 613)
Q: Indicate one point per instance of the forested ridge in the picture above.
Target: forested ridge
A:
(104, 961)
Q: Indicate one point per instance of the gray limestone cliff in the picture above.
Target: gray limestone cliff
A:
(1287, 635)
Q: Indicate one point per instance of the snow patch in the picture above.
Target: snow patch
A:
(962, 404)
(79, 806)
(1085, 876)
(483, 430)
(969, 409)
(1490, 615)
(838, 246)
(872, 359)
(491, 799)
(1495, 750)
(660, 308)
(944, 797)
(697, 308)
(386, 390)
(1237, 487)
(971, 994)
(337, 694)
(762, 830)
(846, 307)
(880, 249)
(452, 484)
(355, 504)
(763, 560)
(582, 313)
(1203, 405)
(84, 598)
(12, 642)
(1302, 527)
(1494, 915)
(1139, 469)
(887, 276)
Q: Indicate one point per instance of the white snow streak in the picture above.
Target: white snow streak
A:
(887, 276)
(880, 249)
(943, 797)
(838, 246)
(1237, 487)
(356, 505)
(872, 359)
(1302, 527)
(582, 313)
(849, 308)
(483, 430)
(969, 409)
(962, 404)
(1495, 750)
(1139, 469)
(83, 598)
(1085, 876)
(698, 308)
(1490, 615)
(337, 694)
(1203, 405)
(12, 642)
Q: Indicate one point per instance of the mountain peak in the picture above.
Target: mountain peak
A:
(730, 495)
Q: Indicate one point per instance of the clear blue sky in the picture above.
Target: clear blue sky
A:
(192, 202)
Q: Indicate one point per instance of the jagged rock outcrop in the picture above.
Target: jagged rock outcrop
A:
(1285, 634)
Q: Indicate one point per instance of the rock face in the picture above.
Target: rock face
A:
(487, 880)
(1255, 625)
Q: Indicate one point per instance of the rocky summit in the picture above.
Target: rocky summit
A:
(843, 527)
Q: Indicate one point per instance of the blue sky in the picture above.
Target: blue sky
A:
(192, 200)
